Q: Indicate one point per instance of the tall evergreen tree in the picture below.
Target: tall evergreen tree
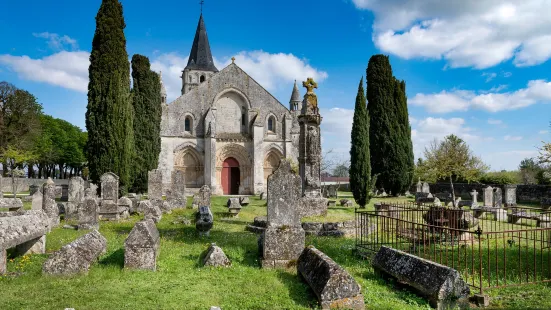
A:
(389, 133)
(146, 101)
(109, 113)
(360, 166)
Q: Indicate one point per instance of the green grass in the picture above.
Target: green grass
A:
(180, 283)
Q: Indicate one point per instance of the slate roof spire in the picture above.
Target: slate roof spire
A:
(295, 102)
(200, 57)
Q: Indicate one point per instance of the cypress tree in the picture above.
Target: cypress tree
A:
(360, 166)
(389, 133)
(109, 111)
(146, 103)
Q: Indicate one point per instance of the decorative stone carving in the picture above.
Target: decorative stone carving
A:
(141, 247)
(204, 220)
(77, 256)
(283, 240)
(334, 286)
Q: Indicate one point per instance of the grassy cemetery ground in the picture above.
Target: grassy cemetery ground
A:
(180, 282)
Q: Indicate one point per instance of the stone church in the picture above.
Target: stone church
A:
(225, 130)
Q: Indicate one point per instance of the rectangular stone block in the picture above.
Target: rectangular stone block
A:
(334, 286)
(110, 187)
(155, 185)
(282, 244)
(441, 285)
(88, 214)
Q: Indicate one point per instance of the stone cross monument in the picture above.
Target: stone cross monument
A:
(312, 201)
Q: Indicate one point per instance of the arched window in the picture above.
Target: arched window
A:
(271, 124)
(190, 78)
(187, 124)
(202, 78)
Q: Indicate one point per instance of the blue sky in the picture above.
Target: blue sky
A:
(478, 69)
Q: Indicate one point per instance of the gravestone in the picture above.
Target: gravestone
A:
(283, 240)
(125, 204)
(141, 247)
(88, 214)
(234, 207)
(425, 188)
(488, 196)
(334, 286)
(109, 208)
(510, 195)
(202, 197)
(37, 200)
(33, 188)
(474, 198)
(204, 220)
(244, 201)
(498, 198)
(77, 256)
(49, 205)
(419, 188)
(177, 195)
(215, 257)
(155, 185)
(93, 189)
(75, 197)
(153, 212)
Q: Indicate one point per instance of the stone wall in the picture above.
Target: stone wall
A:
(24, 183)
(525, 193)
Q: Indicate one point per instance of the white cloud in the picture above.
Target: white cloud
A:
(467, 33)
(64, 69)
(57, 42)
(537, 91)
(267, 69)
(494, 121)
(543, 132)
(512, 138)
(489, 76)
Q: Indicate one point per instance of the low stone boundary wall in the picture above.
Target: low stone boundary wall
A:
(25, 230)
(441, 285)
(23, 184)
(334, 286)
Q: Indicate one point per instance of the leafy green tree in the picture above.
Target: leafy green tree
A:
(341, 170)
(500, 177)
(109, 116)
(146, 102)
(389, 131)
(451, 159)
(14, 160)
(360, 164)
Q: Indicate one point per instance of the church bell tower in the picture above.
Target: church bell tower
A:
(200, 66)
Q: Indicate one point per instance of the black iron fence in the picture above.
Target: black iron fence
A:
(491, 247)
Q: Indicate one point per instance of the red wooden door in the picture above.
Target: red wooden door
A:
(230, 176)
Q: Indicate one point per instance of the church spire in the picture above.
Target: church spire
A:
(200, 57)
(295, 99)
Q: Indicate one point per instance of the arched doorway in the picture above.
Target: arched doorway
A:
(230, 176)
(271, 163)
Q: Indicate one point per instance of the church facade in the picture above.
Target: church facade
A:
(225, 130)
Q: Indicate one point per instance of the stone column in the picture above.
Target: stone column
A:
(210, 150)
(258, 158)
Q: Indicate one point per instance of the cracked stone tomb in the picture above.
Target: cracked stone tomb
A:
(141, 247)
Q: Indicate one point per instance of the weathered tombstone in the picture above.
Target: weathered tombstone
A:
(441, 285)
(153, 212)
(37, 200)
(215, 257)
(204, 220)
(125, 204)
(88, 214)
(77, 256)
(419, 188)
(202, 197)
(244, 201)
(49, 205)
(141, 248)
(474, 198)
(155, 185)
(109, 187)
(284, 239)
(498, 198)
(12, 204)
(234, 207)
(135, 201)
(425, 188)
(488, 196)
(334, 286)
(177, 195)
(143, 205)
(510, 195)
(75, 197)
